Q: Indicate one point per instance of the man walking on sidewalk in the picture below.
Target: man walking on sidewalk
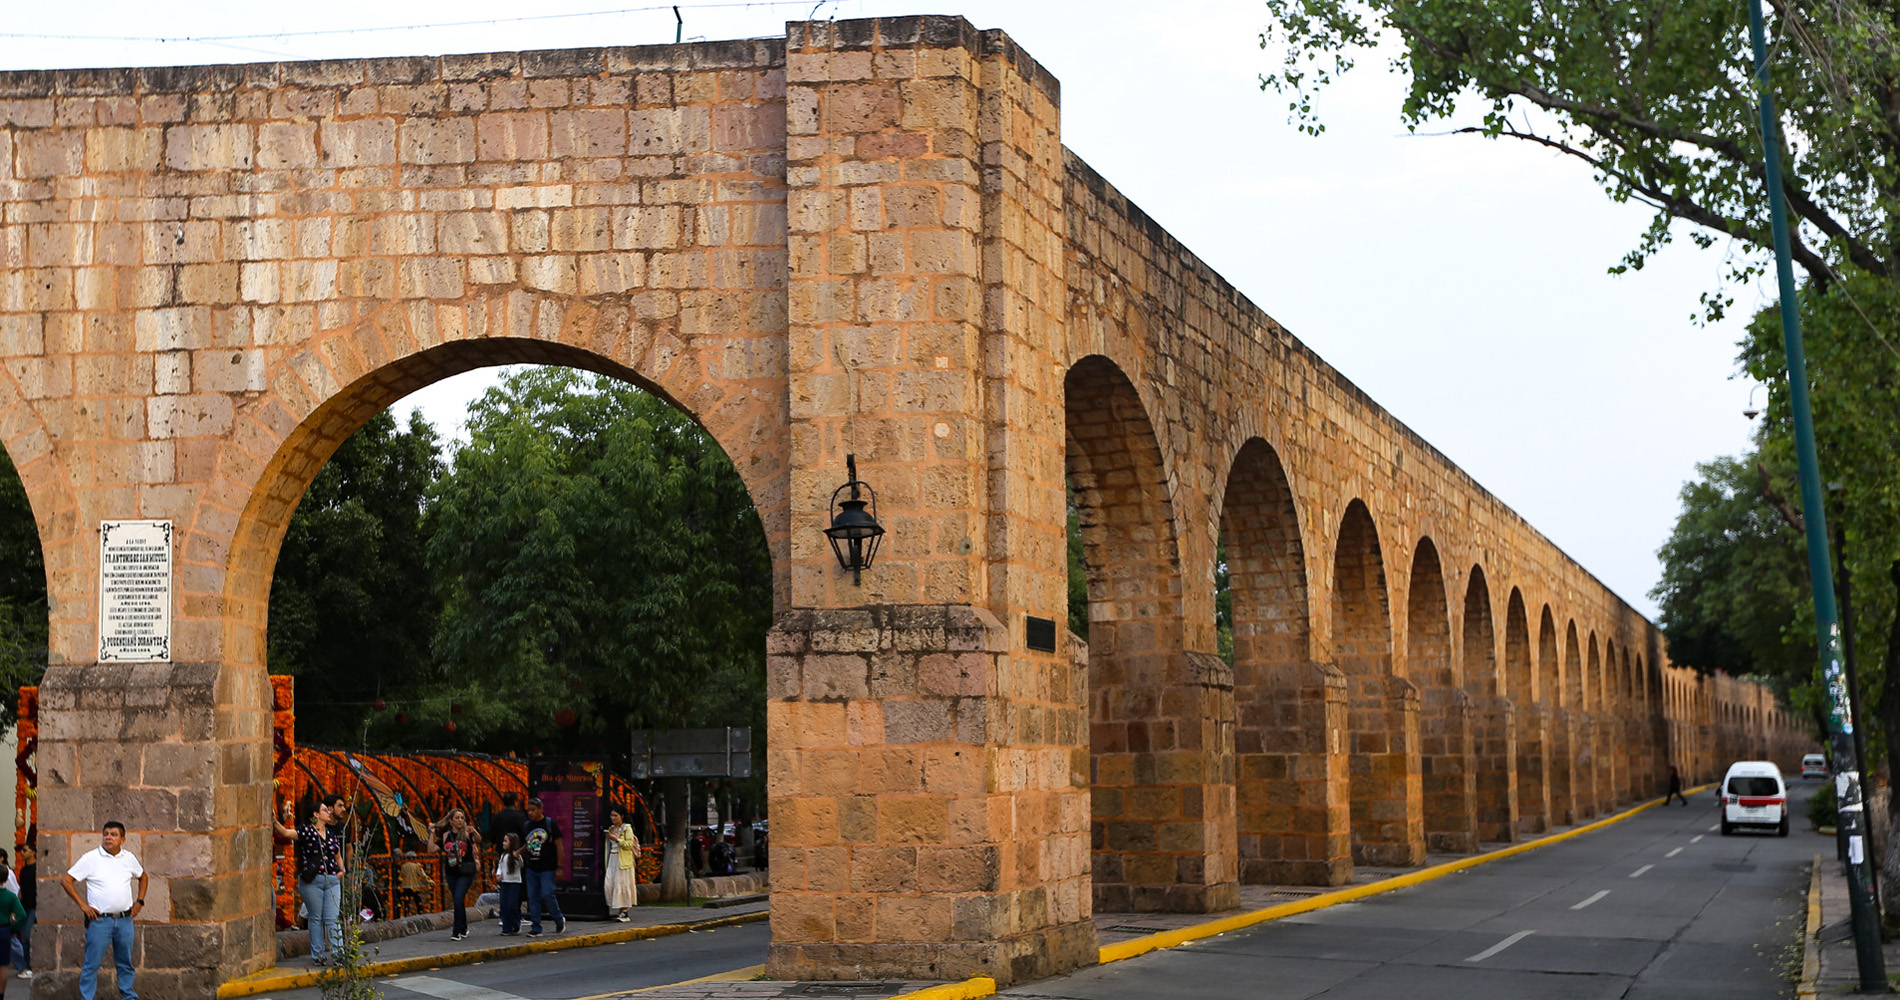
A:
(1675, 787)
(541, 852)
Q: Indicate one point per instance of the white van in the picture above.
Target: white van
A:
(1814, 765)
(1753, 794)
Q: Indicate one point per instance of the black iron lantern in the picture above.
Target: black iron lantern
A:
(854, 531)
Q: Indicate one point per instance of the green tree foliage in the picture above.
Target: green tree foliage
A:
(22, 591)
(1851, 338)
(1657, 98)
(1734, 577)
(604, 570)
(353, 605)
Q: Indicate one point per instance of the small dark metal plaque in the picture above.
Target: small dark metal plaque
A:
(1041, 634)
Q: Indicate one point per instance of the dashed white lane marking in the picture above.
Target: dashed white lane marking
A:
(1638, 873)
(448, 989)
(1714, 828)
(1673, 852)
(1697, 839)
(1500, 946)
(1592, 899)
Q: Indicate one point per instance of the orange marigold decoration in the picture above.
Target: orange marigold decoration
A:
(283, 717)
(26, 783)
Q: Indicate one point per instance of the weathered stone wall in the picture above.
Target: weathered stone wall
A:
(865, 239)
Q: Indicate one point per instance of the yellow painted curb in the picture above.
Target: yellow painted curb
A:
(969, 989)
(1122, 950)
(1810, 983)
(735, 976)
(274, 979)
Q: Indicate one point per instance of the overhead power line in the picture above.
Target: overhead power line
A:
(323, 32)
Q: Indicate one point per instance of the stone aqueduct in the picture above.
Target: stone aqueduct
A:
(865, 237)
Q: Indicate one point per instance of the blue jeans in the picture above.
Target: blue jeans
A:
(322, 899)
(510, 907)
(26, 940)
(541, 894)
(458, 895)
(116, 931)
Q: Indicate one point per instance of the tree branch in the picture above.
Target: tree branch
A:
(1779, 502)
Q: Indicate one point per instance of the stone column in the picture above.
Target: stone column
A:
(1560, 766)
(1388, 821)
(1494, 737)
(1533, 743)
(1449, 771)
(929, 768)
(1293, 783)
(176, 752)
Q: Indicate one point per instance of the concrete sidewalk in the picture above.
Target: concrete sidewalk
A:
(485, 942)
(1830, 966)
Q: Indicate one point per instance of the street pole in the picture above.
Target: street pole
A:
(1853, 819)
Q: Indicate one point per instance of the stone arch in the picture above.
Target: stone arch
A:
(1445, 721)
(1161, 717)
(1291, 817)
(279, 438)
(1580, 705)
(1557, 738)
(327, 404)
(1610, 728)
(1387, 811)
(54, 502)
(1520, 674)
(1494, 729)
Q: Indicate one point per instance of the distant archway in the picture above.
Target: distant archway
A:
(1159, 716)
(1291, 821)
(1388, 823)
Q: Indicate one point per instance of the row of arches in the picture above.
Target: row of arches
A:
(1344, 733)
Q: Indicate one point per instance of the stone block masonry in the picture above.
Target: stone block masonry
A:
(865, 238)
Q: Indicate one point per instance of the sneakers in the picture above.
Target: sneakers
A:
(510, 933)
(458, 937)
(560, 925)
(26, 973)
(534, 933)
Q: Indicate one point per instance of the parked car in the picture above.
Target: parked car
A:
(1814, 765)
(1754, 795)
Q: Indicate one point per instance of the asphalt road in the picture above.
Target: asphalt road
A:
(1660, 905)
(580, 972)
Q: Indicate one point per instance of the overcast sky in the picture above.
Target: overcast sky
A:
(1461, 283)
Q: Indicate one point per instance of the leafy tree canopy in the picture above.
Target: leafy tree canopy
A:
(1851, 336)
(22, 592)
(1734, 577)
(1658, 98)
(352, 601)
(604, 569)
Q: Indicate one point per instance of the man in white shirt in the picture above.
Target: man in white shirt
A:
(115, 893)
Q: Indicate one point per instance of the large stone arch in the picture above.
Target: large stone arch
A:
(1450, 785)
(1583, 734)
(1388, 823)
(1161, 717)
(1557, 740)
(1290, 782)
(1533, 796)
(328, 402)
(1494, 729)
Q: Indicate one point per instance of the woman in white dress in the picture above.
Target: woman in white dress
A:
(623, 850)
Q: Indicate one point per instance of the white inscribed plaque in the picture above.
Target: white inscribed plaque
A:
(135, 591)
